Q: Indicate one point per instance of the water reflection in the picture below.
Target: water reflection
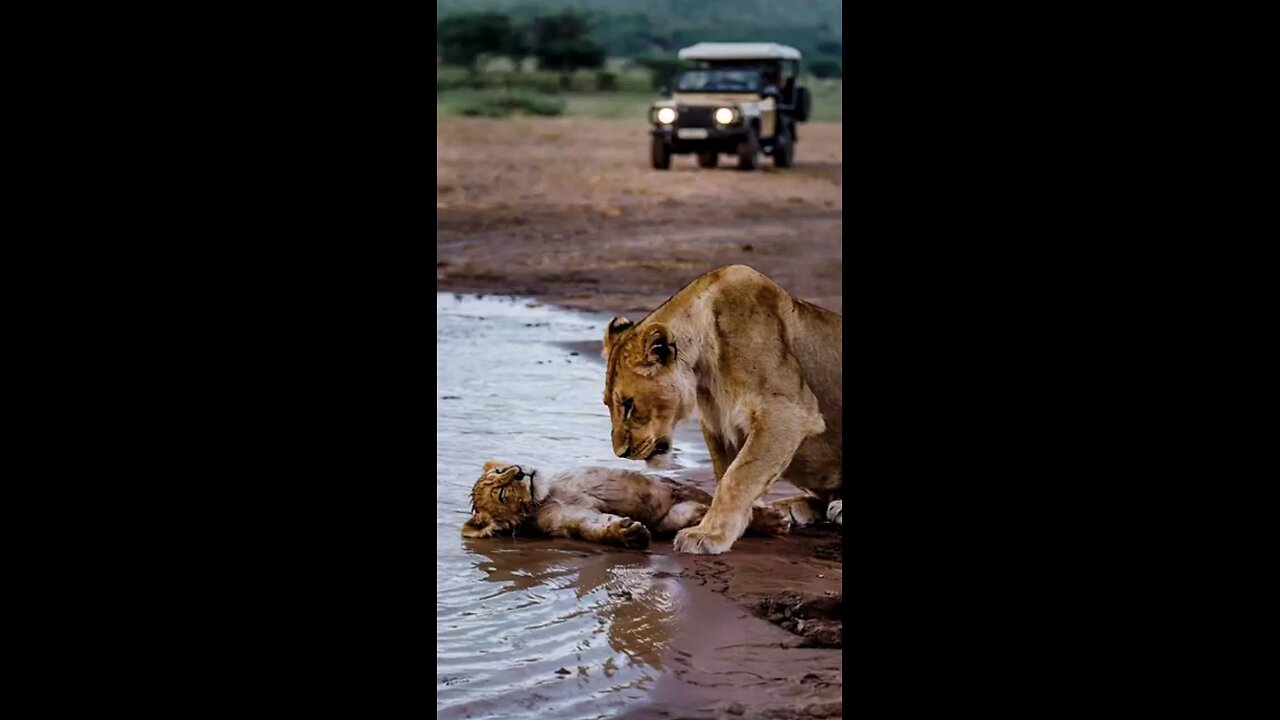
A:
(618, 587)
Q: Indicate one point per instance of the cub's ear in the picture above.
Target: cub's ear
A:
(660, 348)
(479, 526)
(493, 464)
(617, 326)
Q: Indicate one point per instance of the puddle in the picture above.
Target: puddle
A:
(534, 627)
(514, 382)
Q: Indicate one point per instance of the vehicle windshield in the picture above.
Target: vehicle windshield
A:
(719, 80)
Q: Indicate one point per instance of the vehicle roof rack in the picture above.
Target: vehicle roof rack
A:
(739, 51)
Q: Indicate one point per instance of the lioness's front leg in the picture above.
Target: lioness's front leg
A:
(592, 526)
(766, 454)
(721, 454)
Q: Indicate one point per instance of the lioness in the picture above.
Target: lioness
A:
(762, 368)
(604, 505)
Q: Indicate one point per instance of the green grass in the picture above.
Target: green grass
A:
(827, 96)
(627, 106)
(538, 91)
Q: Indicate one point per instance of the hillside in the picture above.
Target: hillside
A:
(628, 28)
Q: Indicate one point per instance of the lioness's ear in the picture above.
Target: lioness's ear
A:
(478, 526)
(617, 326)
(660, 348)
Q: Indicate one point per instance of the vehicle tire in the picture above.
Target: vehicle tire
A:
(708, 159)
(749, 151)
(660, 154)
(804, 104)
(784, 149)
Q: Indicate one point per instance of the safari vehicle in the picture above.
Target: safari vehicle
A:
(738, 99)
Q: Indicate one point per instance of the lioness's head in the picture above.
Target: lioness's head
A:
(500, 500)
(646, 389)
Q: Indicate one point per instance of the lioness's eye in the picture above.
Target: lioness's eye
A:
(627, 406)
(502, 493)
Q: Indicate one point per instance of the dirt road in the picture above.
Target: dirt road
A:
(570, 211)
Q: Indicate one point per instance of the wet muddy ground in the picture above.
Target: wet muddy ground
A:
(568, 210)
(533, 627)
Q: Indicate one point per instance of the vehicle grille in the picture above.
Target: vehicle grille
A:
(696, 117)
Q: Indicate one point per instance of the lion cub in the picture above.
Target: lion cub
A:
(604, 505)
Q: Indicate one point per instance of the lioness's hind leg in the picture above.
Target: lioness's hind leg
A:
(802, 509)
(769, 520)
(682, 515)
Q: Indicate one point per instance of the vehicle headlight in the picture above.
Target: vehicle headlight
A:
(724, 116)
(666, 116)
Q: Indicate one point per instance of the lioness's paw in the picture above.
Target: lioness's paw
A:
(632, 534)
(835, 511)
(770, 520)
(696, 541)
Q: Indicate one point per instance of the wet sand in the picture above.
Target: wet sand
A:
(568, 211)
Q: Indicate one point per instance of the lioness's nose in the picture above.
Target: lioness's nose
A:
(623, 451)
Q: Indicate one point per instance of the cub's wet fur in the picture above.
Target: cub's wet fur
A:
(604, 505)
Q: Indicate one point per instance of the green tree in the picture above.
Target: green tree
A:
(466, 39)
(519, 43)
(561, 43)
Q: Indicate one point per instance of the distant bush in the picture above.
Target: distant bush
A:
(825, 69)
(606, 81)
(507, 104)
(536, 104)
(452, 83)
(547, 85)
(483, 107)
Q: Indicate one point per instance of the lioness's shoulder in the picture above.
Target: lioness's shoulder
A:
(731, 276)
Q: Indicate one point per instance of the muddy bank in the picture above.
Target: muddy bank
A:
(728, 659)
(777, 650)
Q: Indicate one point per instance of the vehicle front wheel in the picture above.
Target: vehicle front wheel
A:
(660, 154)
(784, 150)
(749, 151)
(708, 159)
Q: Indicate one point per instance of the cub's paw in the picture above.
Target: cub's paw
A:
(769, 520)
(835, 512)
(697, 541)
(632, 534)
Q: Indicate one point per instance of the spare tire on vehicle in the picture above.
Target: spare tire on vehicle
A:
(803, 104)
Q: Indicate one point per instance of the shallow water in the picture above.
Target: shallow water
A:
(511, 612)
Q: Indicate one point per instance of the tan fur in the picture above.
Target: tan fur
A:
(762, 368)
(604, 505)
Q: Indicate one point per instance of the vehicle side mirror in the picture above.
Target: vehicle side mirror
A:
(664, 91)
(771, 91)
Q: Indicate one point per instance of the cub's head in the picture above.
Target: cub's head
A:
(500, 500)
(647, 389)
